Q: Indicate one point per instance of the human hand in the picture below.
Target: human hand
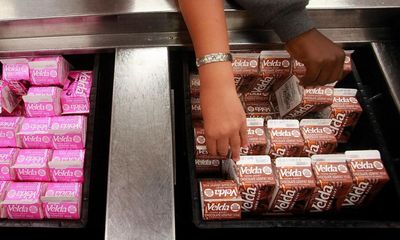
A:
(223, 114)
(322, 58)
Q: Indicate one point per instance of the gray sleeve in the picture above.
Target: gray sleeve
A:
(288, 18)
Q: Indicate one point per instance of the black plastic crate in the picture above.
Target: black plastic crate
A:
(383, 212)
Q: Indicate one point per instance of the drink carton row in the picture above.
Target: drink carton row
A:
(42, 165)
(63, 132)
(293, 185)
(37, 200)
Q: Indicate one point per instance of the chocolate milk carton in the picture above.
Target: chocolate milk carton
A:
(67, 165)
(35, 133)
(9, 127)
(62, 201)
(204, 162)
(43, 102)
(275, 66)
(295, 101)
(245, 70)
(259, 105)
(196, 108)
(334, 181)
(369, 176)
(344, 112)
(45, 71)
(284, 138)
(3, 190)
(8, 156)
(8, 100)
(220, 200)
(31, 165)
(22, 200)
(256, 182)
(294, 186)
(75, 97)
(69, 132)
(194, 81)
(257, 140)
(318, 137)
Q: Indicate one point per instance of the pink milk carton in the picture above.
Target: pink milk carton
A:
(75, 98)
(18, 111)
(47, 71)
(43, 102)
(35, 133)
(31, 165)
(67, 165)
(8, 100)
(15, 69)
(3, 189)
(9, 127)
(8, 156)
(69, 132)
(22, 200)
(62, 201)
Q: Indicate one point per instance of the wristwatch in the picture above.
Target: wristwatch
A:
(213, 57)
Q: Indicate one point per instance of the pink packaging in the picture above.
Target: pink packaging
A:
(43, 102)
(62, 201)
(9, 126)
(31, 165)
(35, 133)
(75, 98)
(18, 111)
(7, 159)
(8, 100)
(67, 165)
(69, 132)
(22, 200)
(47, 71)
(3, 189)
(15, 69)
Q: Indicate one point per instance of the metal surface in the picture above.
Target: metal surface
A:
(140, 202)
(388, 56)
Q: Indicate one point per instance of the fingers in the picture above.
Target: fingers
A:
(338, 72)
(243, 135)
(312, 74)
(326, 73)
(211, 146)
(235, 146)
(223, 146)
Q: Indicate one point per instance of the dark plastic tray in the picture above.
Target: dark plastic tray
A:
(383, 212)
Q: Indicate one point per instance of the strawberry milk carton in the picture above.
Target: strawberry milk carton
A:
(31, 165)
(295, 184)
(43, 102)
(22, 200)
(35, 133)
(62, 201)
(8, 156)
(69, 132)
(15, 69)
(8, 100)
(75, 98)
(333, 182)
(3, 190)
(369, 176)
(19, 111)
(256, 181)
(67, 165)
(46, 71)
(318, 137)
(9, 127)
(220, 200)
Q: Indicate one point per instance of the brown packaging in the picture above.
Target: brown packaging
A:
(259, 105)
(196, 108)
(333, 179)
(275, 67)
(284, 138)
(257, 141)
(245, 70)
(295, 184)
(369, 176)
(220, 200)
(295, 101)
(256, 181)
(318, 137)
(194, 85)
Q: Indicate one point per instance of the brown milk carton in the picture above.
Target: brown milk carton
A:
(245, 70)
(256, 181)
(295, 184)
(196, 108)
(194, 80)
(344, 112)
(333, 179)
(296, 101)
(318, 137)
(369, 176)
(284, 138)
(220, 200)
(204, 162)
(257, 141)
(259, 105)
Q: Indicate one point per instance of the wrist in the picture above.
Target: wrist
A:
(216, 76)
